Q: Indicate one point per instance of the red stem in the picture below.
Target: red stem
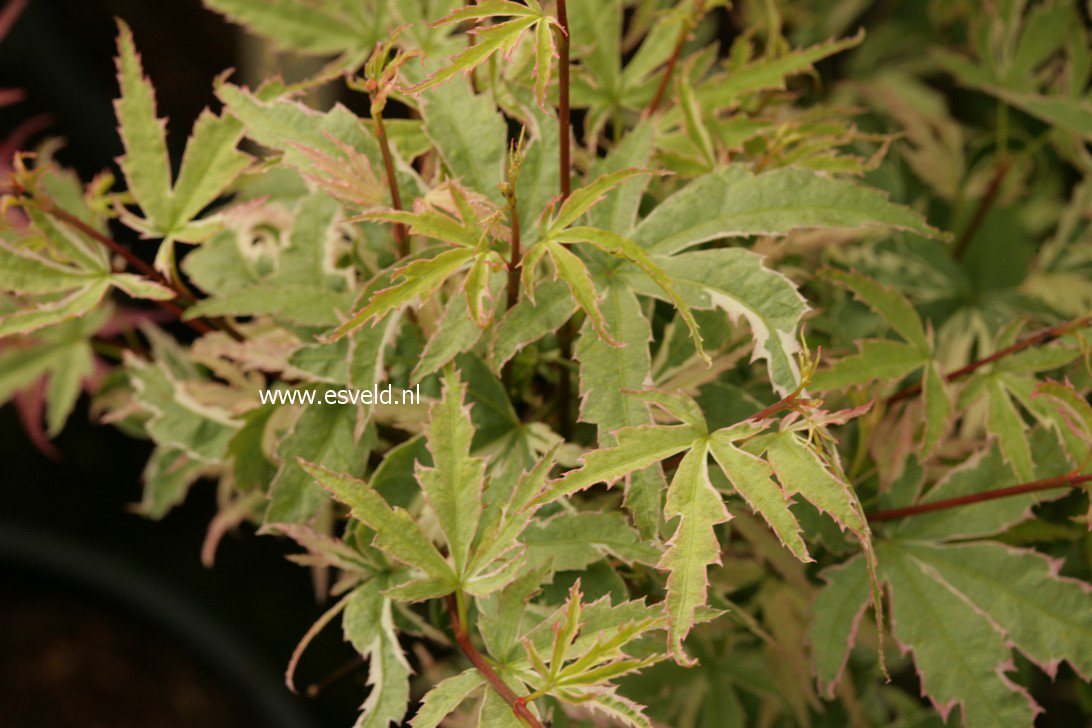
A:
(782, 404)
(1040, 337)
(983, 207)
(661, 89)
(514, 257)
(565, 334)
(519, 707)
(1058, 481)
(563, 99)
(401, 237)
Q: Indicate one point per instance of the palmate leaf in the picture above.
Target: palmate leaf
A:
(1070, 114)
(500, 37)
(322, 28)
(60, 291)
(959, 606)
(752, 478)
(210, 164)
(959, 655)
(175, 419)
(560, 230)
(396, 531)
(62, 355)
(888, 302)
(693, 547)
(529, 320)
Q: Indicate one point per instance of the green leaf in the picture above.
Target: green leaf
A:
(1075, 409)
(460, 333)
(769, 73)
(167, 477)
(445, 697)
(571, 269)
(618, 246)
(489, 39)
(736, 281)
(890, 303)
(250, 465)
(388, 670)
(678, 404)
(837, 611)
(397, 533)
(145, 163)
(304, 136)
(752, 478)
(25, 272)
(320, 28)
(502, 616)
(693, 547)
(210, 163)
(137, 287)
(938, 408)
(960, 657)
(529, 320)
(617, 211)
(1071, 114)
(985, 471)
(733, 202)
(308, 305)
(606, 373)
(420, 279)
(574, 541)
(176, 420)
(1042, 613)
(453, 487)
(470, 135)
(1006, 423)
(324, 434)
(584, 198)
(637, 448)
(73, 305)
(801, 470)
(876, 359)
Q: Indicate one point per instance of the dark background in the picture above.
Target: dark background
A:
(108, 618)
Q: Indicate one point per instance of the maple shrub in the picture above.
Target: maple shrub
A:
(637, 490)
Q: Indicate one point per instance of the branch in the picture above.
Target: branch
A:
(563, 99)
(519, 707)
(514, 257)
(401, 237)
(661, 89)
(176, 307)
(1040, 337)
(566, 333)
(1059, 481)
(984, 206)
